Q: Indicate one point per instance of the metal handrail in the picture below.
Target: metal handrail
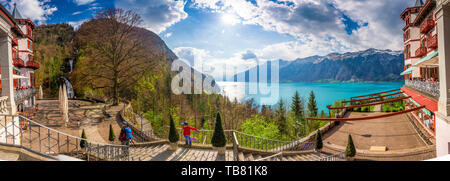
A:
(270, 157)
(49, 141)
(235, 147)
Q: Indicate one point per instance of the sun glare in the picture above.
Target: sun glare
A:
(230, 19)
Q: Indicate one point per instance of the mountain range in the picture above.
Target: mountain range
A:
(371, 65)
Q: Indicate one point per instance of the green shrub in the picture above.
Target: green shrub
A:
(112, 136)
(319, 143)
(173, 134)
(218, 139)
(83, 143)
(350, 151)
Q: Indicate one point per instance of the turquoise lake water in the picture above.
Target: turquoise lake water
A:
(326, 93)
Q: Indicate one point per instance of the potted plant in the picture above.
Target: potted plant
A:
(112, 136)
(173, 135)
(83, 143)
(318, 142)
(218, 140)
(350, 151)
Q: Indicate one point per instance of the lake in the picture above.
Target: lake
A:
(326, 93)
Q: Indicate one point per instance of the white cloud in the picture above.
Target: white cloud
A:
(77, 24)
(77, 12)
(36, 10)
(167, 35)
(318, 24)
(83, 2)
(158, 15)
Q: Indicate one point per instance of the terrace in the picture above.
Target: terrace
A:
(427, 25)
(432, 42)
(422, 51)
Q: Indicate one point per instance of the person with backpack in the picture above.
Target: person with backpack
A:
(126, 134)
(187, 133)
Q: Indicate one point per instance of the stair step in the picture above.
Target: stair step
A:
(9, 156)
(290, 158)
(241, 156)
(257, 157)
(249, 157)
(301, 158)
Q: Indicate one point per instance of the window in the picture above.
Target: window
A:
(407, 35)
(407, 51)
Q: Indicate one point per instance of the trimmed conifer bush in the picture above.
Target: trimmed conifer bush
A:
(112, 136)
(83, 143)
(350, 151)
(218, 139)
(173, 134)
(319, 143)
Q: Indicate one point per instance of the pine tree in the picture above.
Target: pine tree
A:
(83, 143)
(350, 151)
(173, 134)
(312, 105)
(218, 139)
(282, 121)
(297, 106)
(112, 136)
(319, 143)
(322, 114)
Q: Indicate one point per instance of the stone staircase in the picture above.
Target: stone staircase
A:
(160, 152)
(309, 156)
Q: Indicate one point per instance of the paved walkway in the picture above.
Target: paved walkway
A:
(396, 133)
(90, 115)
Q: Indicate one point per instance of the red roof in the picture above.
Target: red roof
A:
(429, 104)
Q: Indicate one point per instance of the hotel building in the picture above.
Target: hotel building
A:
(427, 67)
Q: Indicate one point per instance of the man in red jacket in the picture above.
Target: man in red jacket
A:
(187, 133)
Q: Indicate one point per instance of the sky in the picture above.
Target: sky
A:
(243, 32)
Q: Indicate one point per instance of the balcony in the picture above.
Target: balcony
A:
(22, 95)
(426, 26)
(19, 63)
(431, 88)
(432, 42)
(15, 42)
(33, 65)
(422, 51)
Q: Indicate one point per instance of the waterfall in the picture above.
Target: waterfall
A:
(71, 66)
(70, 93)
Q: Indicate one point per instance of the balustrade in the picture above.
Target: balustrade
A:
(429, 87)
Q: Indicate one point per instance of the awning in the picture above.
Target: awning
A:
(426, 111)
(430, 59)
(408, 71)
(16, 69)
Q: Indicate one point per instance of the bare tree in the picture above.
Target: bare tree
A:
(114, 50)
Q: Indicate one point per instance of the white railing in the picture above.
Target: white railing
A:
(429, 87)
(28, 134)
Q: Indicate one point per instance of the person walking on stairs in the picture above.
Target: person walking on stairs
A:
(187, 133)
(126, 134)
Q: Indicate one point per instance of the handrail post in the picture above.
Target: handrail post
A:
(235, 147)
